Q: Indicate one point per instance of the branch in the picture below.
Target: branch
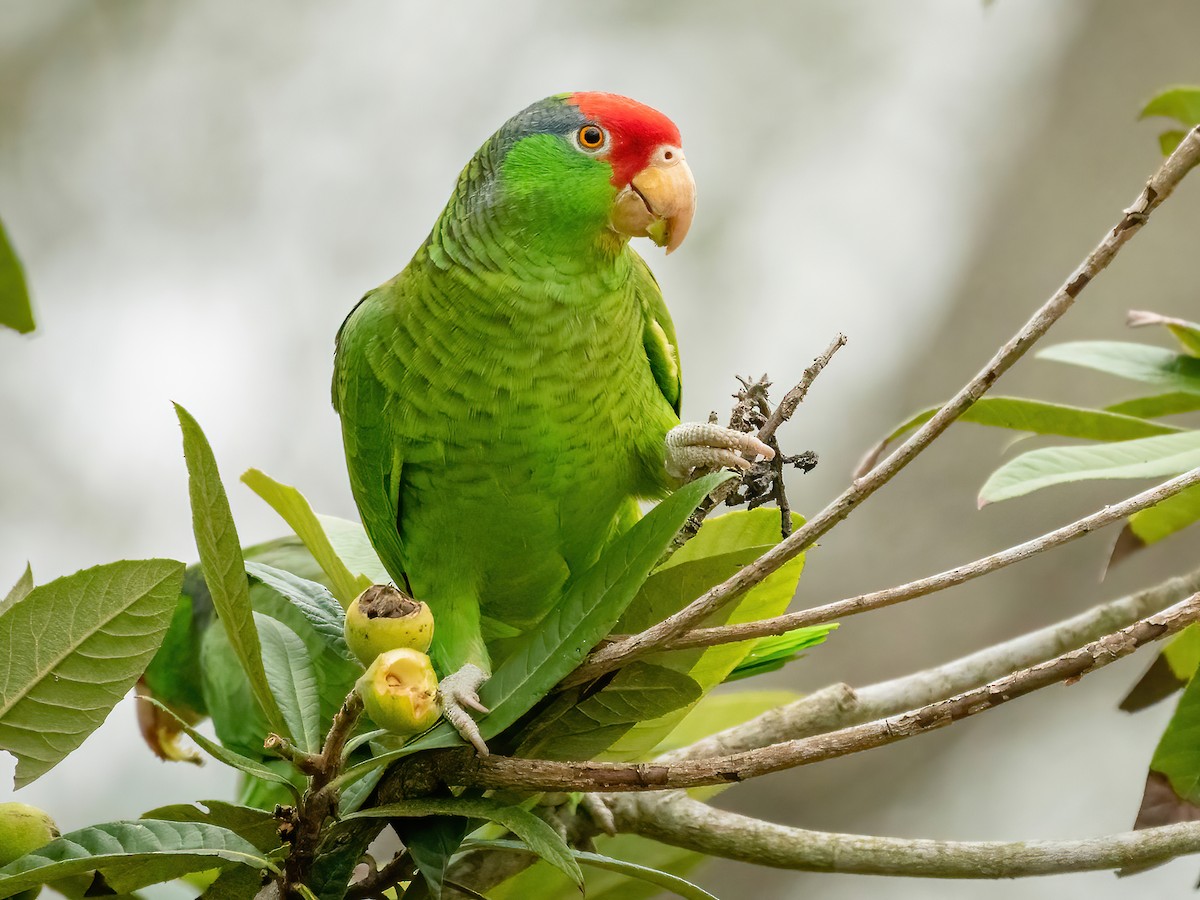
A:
(546, 775)
(793, 398)
(1157, 189)
(752, 403)
(676, 819)
(840, 705)
(304, 821)
(829, 612)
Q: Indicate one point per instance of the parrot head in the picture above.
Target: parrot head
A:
(589, 167)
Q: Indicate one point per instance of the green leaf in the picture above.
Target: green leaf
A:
(432, 841)
(1178, 753)
(236, 716)
(15, 311)
(1155, 457)
(1036, 417)
(1187, 333)
(1169, 140)
(19, 591)
(574, 729)
(539, 837)
(235, 883)
(644, 702)
(293, 681)
(353, 547)
(294, 509)
(718, 711)
(541, 882)
(224, 567)
(1167, 517)
(1169, 404)
(587, 611)
(1180, 102)
(1182, 652)
(664, 880)
(309, 610)
(770, 654)
(161, 848)
(256, 826)
(723, 545)
(325, 616)
(73, 648)
(252, 767)
(1137, 362)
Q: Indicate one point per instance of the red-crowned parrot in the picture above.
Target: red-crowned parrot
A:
(507, 398)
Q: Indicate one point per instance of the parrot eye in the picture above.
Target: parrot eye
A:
(591, 137)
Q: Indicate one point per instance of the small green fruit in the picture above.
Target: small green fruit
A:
(384, 618)
(23, 828)
(399, 691)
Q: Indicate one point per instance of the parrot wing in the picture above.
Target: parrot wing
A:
(372, 454)
(662, 347)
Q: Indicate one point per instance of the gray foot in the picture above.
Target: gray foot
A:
(702, 445)
(456, 694)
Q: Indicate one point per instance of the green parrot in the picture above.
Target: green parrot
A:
(510, 395)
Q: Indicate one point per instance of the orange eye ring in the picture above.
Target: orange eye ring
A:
(591, 137)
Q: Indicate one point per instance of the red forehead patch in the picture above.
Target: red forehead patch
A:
(635, 130)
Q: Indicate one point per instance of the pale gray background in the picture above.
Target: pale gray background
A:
(200, 192)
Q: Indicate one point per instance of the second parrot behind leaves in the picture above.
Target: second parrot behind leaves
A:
(507, 398)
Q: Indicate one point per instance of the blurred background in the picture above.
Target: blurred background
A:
(201, 191)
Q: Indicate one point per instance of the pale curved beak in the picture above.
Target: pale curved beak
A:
(659, 201)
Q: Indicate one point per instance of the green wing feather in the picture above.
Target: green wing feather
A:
(662, 347)
(372, 455)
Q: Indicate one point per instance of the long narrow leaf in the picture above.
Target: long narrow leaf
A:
(1180, 102)
(293, 681)
(587, 612)
(224, 568)
(1035, 417)
(315, 603)
(664, 880)
(1187, 333)
(1137, 362)
(294, 509)
(539, 837)
(19, 591)
(74, 647)
(146, 841)
(1169, 404)
(1166, 518)
(589, 609)
(1159, 521)
(1155, 457)
(15, 311)
(252, 767)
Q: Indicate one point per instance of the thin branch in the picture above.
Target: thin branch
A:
(751, 404)
(793, 398)
(320, 799)
(1157, 189)
(840, 705)
(399, 868)
(545, 775)
(676, 819)
(840, 609)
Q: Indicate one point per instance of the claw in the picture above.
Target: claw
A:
(694, 445)
(457, 691)
(600, 813)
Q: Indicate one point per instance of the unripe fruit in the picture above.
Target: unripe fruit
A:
(384, 618)
(23, 828)
(399, 691)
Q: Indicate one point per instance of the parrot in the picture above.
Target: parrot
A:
(511, 395)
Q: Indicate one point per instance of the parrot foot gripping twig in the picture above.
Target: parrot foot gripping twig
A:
(457, 693)
(704, 445)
